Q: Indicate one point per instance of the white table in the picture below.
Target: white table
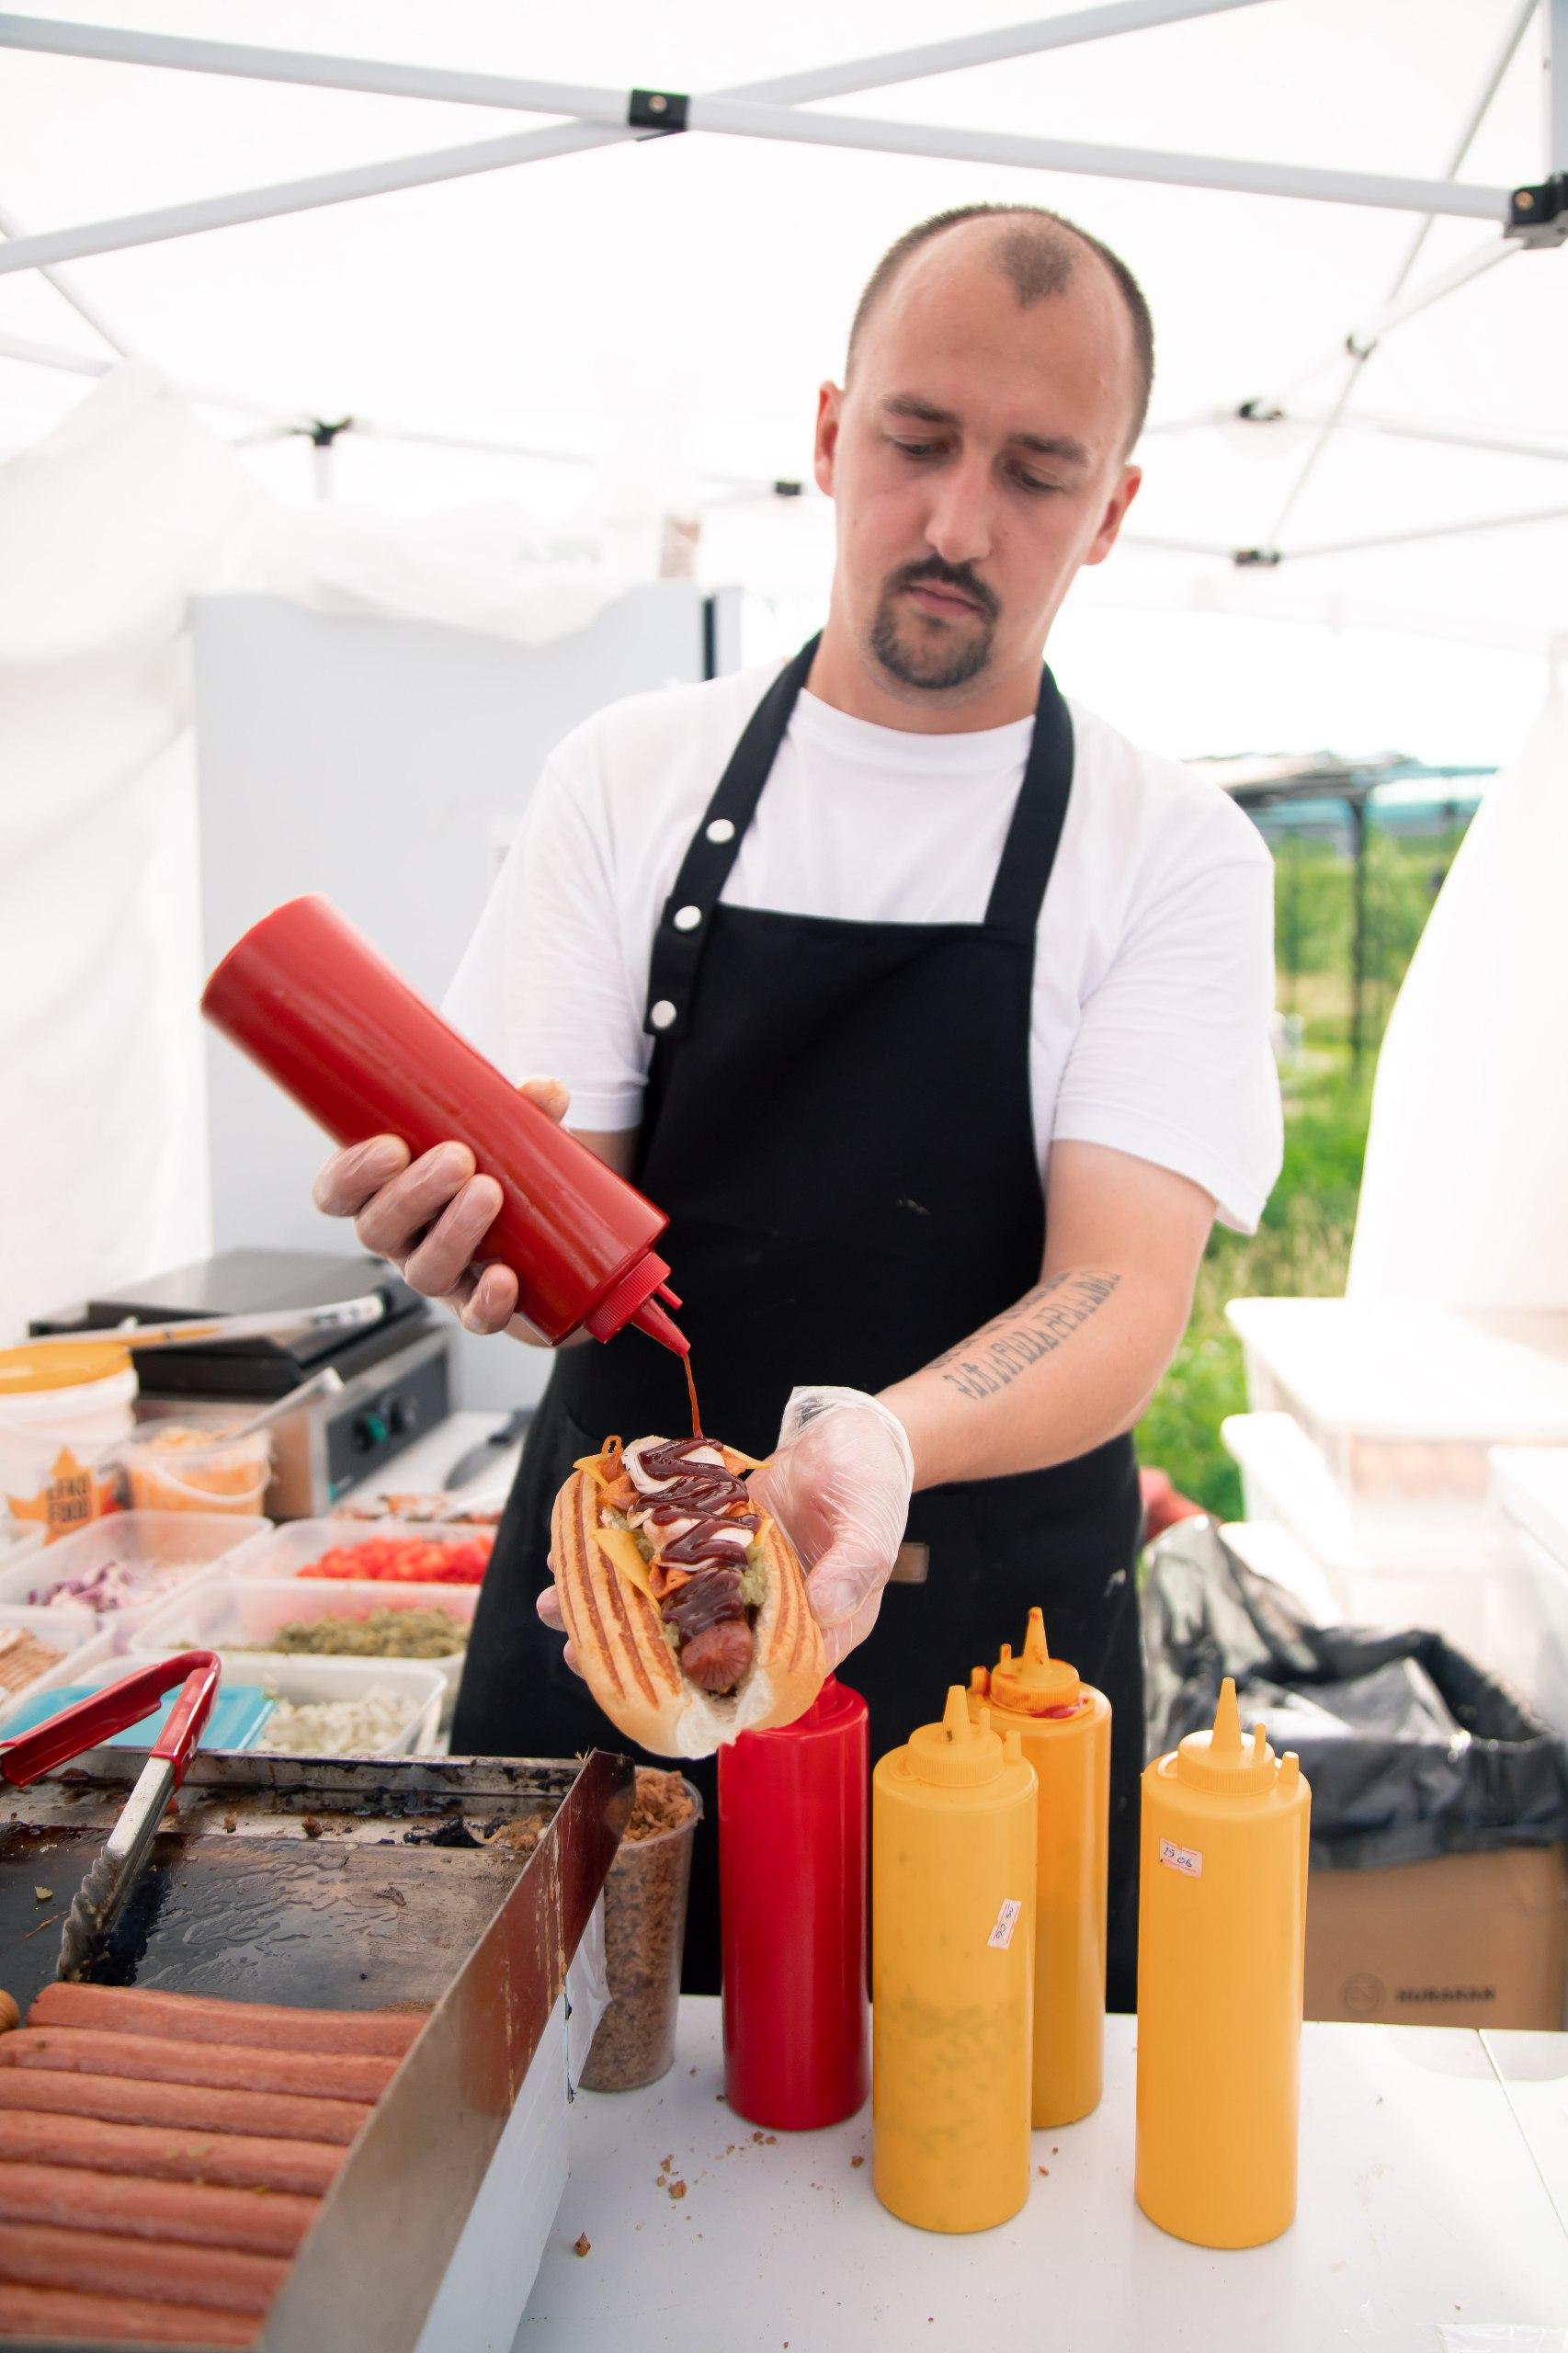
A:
(1434, 2205)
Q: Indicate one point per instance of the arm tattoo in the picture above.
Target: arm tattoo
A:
(1032, 1328)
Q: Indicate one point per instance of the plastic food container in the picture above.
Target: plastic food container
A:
(290, 1550)
(417, 1690)
(183, 1466)
(74, 1633)
(1404, 1404)
(166, 1549)
(19, 1538)
(644, 1901)
(64, 1413)
(227, 1612)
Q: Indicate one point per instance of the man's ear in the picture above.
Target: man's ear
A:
(830, 410)
(1115, 514)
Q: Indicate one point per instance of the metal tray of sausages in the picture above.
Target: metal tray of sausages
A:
(348, 1885)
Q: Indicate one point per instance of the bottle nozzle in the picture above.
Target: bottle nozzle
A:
(1035, 1651)
(979, 1682)
(1289, 1772)
(651, 1318)
(955, 1715)
(1227, 1738)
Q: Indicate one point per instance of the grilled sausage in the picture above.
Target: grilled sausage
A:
(308, 2075)
(57, 2313)
(104, 2263)
(78, 2198)
(196, 2017)
(155, 2154)
(121, 2100)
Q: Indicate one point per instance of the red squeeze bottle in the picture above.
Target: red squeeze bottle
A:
(794, 1848)
(308, 999)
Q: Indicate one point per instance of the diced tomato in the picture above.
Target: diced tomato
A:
(408, 1560)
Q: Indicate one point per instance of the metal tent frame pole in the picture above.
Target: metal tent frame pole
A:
(667, 111)
(1398, 306)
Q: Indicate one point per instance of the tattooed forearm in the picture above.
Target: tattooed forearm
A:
(1022, 1334)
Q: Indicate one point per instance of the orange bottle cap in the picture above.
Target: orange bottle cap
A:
(959, 1753)
(1036, 1684)
(1221, 1760)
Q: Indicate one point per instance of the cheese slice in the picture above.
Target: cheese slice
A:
(620, 1549)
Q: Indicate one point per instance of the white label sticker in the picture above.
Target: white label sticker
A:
(1006, 1921)
(1187, 1859)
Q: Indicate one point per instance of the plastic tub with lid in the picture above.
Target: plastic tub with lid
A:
(64, 1411)
(1405, 1402)
(225, 1612)
(1464, 1591)
(154, 1552)
(290, 1550)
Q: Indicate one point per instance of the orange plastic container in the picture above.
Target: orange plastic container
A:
(952, 1973)
(1221, 1936)
(1064, 1728)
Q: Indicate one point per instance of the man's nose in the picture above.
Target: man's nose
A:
(959, 521)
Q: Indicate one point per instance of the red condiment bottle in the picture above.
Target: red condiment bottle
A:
(308, 999)
(793, 1847)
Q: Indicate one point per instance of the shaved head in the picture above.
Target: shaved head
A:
(1039, 253)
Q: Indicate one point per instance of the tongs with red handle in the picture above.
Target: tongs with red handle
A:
(102, 1713)
(97, 1902)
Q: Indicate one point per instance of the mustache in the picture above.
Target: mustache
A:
(934, 572)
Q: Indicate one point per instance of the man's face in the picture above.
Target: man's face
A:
(975, 461)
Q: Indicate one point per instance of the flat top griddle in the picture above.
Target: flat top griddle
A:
(352, 1884)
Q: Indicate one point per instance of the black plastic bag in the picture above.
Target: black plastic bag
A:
(1410, 1749)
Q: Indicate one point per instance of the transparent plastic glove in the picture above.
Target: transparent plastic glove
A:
(839, 1485)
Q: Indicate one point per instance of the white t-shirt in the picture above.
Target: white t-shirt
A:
(1154, 981)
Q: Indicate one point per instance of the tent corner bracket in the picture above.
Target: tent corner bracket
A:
(1538, 214)
(657, 110)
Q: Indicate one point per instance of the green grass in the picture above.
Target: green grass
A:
(1301, 1250)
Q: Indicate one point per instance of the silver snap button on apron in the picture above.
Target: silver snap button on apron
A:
(663, 1014)
(688, 918)
(721, 830)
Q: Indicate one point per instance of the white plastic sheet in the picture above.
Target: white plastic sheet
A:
(1465, 1197)
(108, 528)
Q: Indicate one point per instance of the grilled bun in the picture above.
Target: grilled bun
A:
(618, 1637)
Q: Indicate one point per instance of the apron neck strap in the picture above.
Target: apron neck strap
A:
(1038, 814)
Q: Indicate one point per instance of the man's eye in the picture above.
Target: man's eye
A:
(917, 449)
(1031, 483)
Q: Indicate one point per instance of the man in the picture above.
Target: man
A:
(933, 1135)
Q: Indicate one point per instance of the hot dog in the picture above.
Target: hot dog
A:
(684, 1600)
(156, 2153)
(106, 2263)
(56, 2313)
(305, 2073)
(196, 2017)
(200, 2108)
(77, 2197)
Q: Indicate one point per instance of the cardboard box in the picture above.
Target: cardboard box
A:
(1458, 1940)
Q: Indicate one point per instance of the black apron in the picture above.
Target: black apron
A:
(838, 1123)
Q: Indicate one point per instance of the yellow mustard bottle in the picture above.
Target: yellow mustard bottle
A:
(1065, 1726)
(952, 1973)
(1222, 1939)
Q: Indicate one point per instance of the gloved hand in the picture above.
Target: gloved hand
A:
(839, 1485)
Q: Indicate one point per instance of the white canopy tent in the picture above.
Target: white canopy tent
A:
(460, 244)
